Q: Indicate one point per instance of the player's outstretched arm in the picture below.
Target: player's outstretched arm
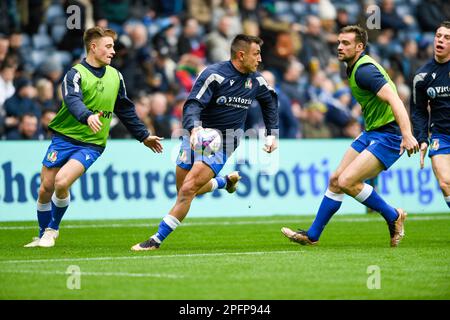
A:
(409, 143)
(154, 143)
(423, 153)
(420, 115)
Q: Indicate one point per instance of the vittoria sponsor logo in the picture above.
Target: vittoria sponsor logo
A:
(236, 102)
(441, 91)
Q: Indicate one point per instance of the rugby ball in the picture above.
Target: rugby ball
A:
(209, 140)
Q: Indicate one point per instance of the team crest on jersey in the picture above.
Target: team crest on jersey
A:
(435, 144)
(100, 86)
(52, 156)
(248, 83)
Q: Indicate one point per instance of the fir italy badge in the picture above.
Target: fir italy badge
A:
(435, 144)
(52, 156)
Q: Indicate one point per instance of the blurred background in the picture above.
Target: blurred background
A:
(163, 46)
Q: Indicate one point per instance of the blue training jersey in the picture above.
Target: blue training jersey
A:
(431, 85)
(221, 97)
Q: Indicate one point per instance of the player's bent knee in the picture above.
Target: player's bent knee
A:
(61, 183)
(444, 184)
(46, 189)
(334, 184)
(187, 190)
(344, 183)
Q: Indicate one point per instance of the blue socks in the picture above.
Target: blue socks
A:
(447, 199)
(218, 182)
(59, 207)
(167, 225)
(330, 204)
(44, 214)
(371, 199)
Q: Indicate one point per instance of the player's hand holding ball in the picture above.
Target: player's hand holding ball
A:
(194, 139)
(206, 140)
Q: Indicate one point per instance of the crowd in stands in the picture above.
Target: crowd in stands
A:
(164, 45)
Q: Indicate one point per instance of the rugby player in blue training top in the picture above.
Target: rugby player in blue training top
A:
(431, 87)
(92, 91)
(219, 99)
(387, 134)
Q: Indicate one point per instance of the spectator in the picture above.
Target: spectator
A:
(408, 62)
(250, 10)
(342, 18)
(162, 122)
(390, 19)
(9, 17)
(187, 71)
(4, 47)
(314, 45)
(21, 103)
(313, 125)
(20, 53)
(44, 132)
(52, 69)
(142, 106)
(177, 111)
(218, 42)
(45, 94)
(277, 56)
(26, 130)
(288, 124)
(293, 83)
(200, 10)
(231, 9)
(190, 40)
(111, 14)
(160, 72)
(134, 55)
(431, 13)
(165, 42)
(6, 83)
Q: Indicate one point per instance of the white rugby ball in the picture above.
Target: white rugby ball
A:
(209, 140)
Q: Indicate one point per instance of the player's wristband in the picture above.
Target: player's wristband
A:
(269, 140)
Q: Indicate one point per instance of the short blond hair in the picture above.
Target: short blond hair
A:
(97, 33)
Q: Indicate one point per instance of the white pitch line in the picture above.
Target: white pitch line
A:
(223, 223)
(101, 274)
(190, 255)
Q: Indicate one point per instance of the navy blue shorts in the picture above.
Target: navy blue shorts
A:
(60, 151)
(187, 157)
(385, 146)
(440, 144)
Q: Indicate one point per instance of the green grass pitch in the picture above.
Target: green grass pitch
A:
(230, 258)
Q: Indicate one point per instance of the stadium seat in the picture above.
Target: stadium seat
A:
(42, 41)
